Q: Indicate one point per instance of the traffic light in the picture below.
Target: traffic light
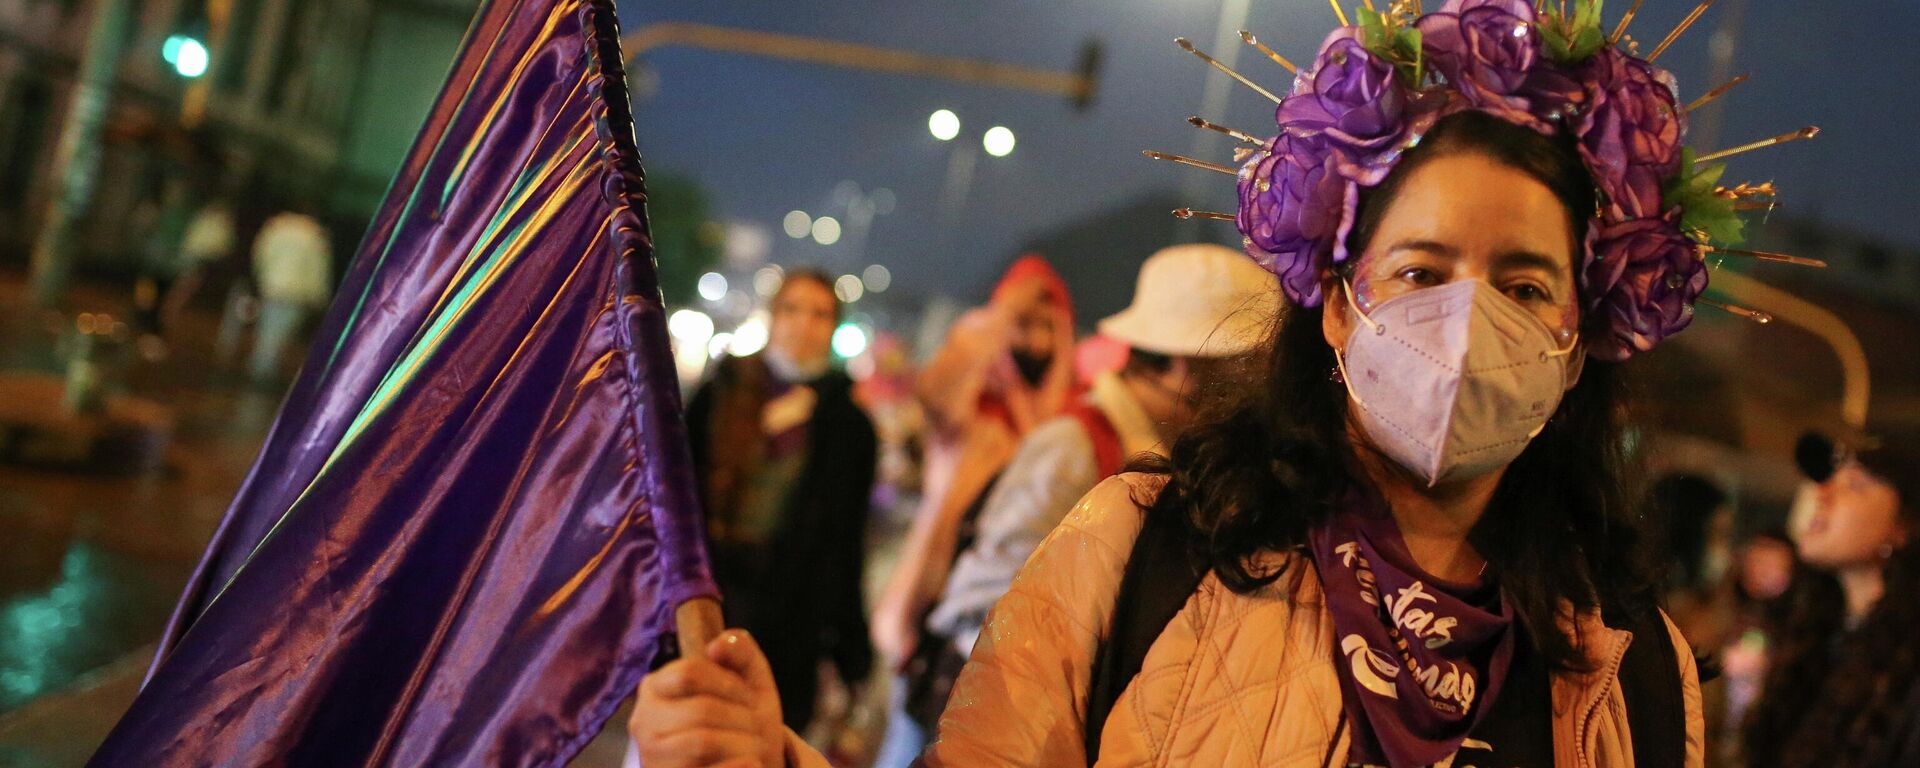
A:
(187, 55)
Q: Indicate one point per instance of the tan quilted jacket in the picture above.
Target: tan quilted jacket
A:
(1234, 680)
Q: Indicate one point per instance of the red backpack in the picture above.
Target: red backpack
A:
(1108, 456)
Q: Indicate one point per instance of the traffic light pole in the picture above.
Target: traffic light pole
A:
(76, 161)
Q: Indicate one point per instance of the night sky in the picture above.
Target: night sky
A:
(767, 136)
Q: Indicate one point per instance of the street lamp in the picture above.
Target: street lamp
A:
(944, 124)
(998, 141)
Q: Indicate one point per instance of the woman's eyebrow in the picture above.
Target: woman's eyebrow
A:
(1434, 247)
(1534, 259)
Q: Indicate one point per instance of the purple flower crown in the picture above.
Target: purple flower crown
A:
(1377, 87)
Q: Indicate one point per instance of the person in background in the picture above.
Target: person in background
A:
(167, 220)
(1004, 368)
(1197, 311)
(293, 269)
(209, 239)
(1843, 682)
(785, 462)
(1763, 569)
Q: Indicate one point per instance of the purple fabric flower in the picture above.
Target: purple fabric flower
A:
(1355, 99)
(1291, 206)
(1486, 49)
(1630, 137)
(1643, 276)
(1351, 93)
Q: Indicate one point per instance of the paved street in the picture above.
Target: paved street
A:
(91, 562)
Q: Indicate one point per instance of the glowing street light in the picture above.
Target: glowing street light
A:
(713, 286)
(849, 341)
(849, 289)
(826, 230)
(944, 124)
(876, 277)
(797, 224)
(998, 141)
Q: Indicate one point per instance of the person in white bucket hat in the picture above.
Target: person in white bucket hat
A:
(1197, 311)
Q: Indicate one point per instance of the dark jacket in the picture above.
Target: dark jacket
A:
(799, 593)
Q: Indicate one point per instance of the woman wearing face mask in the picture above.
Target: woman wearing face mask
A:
(785, 461)
(1408, 543)
(1843, 682)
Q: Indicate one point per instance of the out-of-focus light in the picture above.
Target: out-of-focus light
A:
(944, 124)
(877, 278)
(998, 141)
(848, 288)
(750, 337)
(189, 56)
(713, 285)
(861, 368)
(849, 341)
(767, 280)
(170, 48)
(826, 230)
(883, 201)
(690, 326)
(797, 224)
(718, 345)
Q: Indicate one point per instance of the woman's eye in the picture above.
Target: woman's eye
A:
(1420, 276)
(1527, 293)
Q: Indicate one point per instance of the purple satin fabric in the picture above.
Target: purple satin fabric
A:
(468, 528)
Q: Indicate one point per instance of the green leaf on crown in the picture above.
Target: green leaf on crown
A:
(1575, 37)
(1702, 210)
(1395, 41)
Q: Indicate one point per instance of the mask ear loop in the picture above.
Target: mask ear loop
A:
(1340, 355)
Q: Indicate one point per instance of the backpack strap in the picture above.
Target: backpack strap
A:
(1162, 573)
(1650, 685)
(1108, 456)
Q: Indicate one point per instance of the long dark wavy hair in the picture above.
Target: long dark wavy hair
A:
(1838, 698)
(1271, 456)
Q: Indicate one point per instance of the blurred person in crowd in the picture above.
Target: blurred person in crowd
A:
(209, 239)
(1342, 593)
(293, 271)
(1004, 368)
(1843, 681)
(1697, 521)
(166, 221)
(1762, 570)
(1197, 311)
(785, 462)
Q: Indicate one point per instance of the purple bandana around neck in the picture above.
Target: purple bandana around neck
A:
(1420, 659)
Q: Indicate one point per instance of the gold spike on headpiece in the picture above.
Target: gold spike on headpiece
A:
(1271, 54)
(1199, 122)
(1675, 34)
(1800, 261)
(1804, 133)
(1189, 213)
(1746, 189)
(1621, 30)
(1715, 93)
(1750, 314)
(1757, 205)
(1215, 63)
(1340, 13)
(1215, 167)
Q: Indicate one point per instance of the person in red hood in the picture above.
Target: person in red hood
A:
(1004, 368)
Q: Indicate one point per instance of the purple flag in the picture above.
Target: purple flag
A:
(471, 523)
